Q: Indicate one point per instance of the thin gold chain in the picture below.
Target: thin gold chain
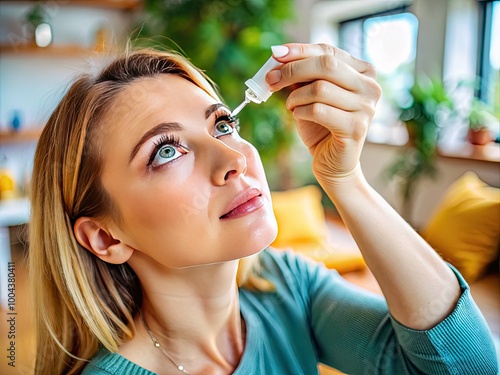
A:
(157, 345)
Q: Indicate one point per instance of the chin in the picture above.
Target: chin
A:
(258, 238)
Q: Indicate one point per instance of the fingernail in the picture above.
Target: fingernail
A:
(280, 51)
(273, 76)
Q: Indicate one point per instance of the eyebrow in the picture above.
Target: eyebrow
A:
(164, 127)
(167, 127)
(214, 107)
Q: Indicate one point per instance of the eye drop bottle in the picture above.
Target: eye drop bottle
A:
(258, 89)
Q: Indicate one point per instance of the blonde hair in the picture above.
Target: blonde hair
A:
(80, 301)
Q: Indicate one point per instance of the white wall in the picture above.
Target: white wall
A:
(34, 83)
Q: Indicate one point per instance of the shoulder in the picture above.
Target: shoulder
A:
(309, 284)
(105, 362)
(295, 278)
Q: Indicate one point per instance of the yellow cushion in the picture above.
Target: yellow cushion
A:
(300, 216)
(465, 230)
(302, 227)
(341, 259)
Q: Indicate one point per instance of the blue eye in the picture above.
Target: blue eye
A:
(166, 154)
(225, 125)
(167, 149)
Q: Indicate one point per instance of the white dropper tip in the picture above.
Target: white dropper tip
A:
(240, 107)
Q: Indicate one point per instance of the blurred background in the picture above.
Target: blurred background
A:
(438, 63)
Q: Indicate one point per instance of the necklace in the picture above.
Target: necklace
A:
(157, 344)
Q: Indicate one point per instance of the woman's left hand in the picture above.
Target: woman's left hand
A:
(333, 106)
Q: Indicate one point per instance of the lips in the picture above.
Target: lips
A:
(244, 203)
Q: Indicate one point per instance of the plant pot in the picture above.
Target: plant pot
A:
(479, 137)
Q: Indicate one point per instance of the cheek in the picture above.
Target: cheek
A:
(254, 164)
(251, 154)
(172, 205)
(149, 213)
(152, 209)
(160, 222)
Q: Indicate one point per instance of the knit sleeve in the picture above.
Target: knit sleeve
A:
(355, 333)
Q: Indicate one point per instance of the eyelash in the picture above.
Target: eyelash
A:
(230, 120)
(165, 139)
(173, 140)
(222, 114)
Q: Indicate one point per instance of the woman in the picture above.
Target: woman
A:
(146, 201)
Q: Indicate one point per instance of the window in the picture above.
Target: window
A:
(490, 56)
(387, 40)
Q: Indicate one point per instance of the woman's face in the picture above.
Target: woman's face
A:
(188, 189)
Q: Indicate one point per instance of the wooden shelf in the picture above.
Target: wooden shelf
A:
(64, 50)
(465, 150)
(113, 4)
(26, 135)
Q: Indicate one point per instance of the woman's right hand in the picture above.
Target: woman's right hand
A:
(334, 109)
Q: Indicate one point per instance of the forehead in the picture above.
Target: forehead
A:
(152, 95)
(145, 103)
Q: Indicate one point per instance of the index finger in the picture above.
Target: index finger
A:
(296, 51)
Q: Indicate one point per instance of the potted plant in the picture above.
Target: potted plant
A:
(480, 118)
(422, 115)
(40, 29)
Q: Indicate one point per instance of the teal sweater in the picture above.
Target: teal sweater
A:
(316, 316)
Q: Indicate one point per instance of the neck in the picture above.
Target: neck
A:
(194, 314)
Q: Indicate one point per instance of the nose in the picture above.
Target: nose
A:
(226, 163)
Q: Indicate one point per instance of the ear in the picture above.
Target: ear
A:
(90, 234)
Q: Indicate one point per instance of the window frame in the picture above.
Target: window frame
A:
(484, 45)
(395, 133)
(388, 12)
